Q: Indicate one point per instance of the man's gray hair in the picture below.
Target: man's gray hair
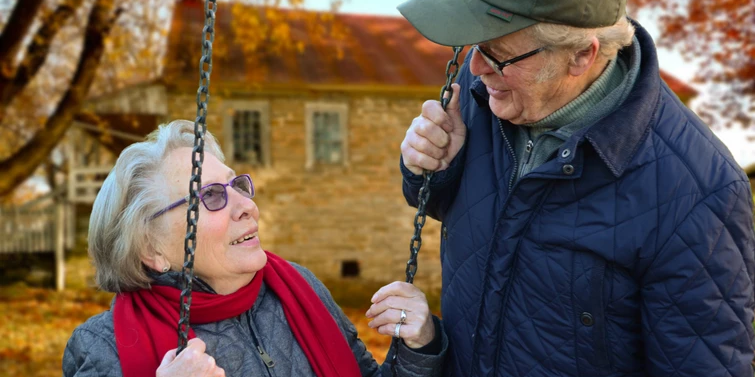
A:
(120, 229)
(612, 38)
(572, 39)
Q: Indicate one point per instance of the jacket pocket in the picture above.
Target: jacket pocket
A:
(443, 241)
(445, 277)
(600, 354)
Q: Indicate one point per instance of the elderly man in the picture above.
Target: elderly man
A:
(592, 224)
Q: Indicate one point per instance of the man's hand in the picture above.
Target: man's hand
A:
(435, 137)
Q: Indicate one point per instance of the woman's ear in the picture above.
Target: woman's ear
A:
(582, 60)
(156, 261)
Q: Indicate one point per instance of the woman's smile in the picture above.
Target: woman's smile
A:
(254, 241)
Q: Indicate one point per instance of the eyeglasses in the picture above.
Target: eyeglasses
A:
(214, 196)
(499, 66)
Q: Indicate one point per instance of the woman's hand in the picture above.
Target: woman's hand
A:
(192, 361)
(418, 329)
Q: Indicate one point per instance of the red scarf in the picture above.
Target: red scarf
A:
(145, 321)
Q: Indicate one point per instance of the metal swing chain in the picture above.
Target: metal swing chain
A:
(452, 69)
(197, 157)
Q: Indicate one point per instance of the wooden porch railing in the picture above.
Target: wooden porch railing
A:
(41, 226)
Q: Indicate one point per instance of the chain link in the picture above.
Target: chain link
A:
(450, 76)
(197, 157)
(446, 92)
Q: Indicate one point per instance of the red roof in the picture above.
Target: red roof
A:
(380, 50)
(679, 87)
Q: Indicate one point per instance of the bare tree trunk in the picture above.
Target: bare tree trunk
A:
(36, 53)
(21, 165)
(15, 30)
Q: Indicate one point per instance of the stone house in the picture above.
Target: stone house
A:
(320, 136)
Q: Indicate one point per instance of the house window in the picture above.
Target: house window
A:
(247, 137)
(247, 132)
(327, 134)
(328, 142)
(350, 269)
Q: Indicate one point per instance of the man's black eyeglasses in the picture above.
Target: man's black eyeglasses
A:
(499, 66)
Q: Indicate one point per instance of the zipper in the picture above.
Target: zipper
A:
(513, 155)
(527, 155)
(266, 359)
(529, 146)
(495, 231)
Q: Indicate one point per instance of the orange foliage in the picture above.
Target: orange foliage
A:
(722, 34)
(264, 30)
(37, 324)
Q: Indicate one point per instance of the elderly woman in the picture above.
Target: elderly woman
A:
(252, 312)
(592, 224)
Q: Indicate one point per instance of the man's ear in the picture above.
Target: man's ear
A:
(584, 59)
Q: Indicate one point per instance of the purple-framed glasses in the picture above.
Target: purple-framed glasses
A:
(214, 195)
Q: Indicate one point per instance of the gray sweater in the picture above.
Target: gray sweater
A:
(91, 350)
(537, 142)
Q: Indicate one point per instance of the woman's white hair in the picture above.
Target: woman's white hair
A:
(572, 40)
(120, 229)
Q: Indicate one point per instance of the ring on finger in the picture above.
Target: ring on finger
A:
(402, 320)
(397, 331)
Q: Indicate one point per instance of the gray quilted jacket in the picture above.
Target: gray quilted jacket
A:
(91, 350)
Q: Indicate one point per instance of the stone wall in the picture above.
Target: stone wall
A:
(327, 215)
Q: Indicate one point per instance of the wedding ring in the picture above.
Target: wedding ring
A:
(403, 317)
(397, 331)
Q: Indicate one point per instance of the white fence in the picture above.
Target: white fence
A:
(38, 227)
(85, 182)
(27, 231)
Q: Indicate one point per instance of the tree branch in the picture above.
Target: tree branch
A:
(22, 164)
(36, 52)
(14, 32)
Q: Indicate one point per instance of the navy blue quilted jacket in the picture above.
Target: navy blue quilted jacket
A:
(629, 255)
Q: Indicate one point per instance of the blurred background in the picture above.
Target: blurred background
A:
(310, 97)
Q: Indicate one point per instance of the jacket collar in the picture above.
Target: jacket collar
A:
(175, 279)
(616, 137)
